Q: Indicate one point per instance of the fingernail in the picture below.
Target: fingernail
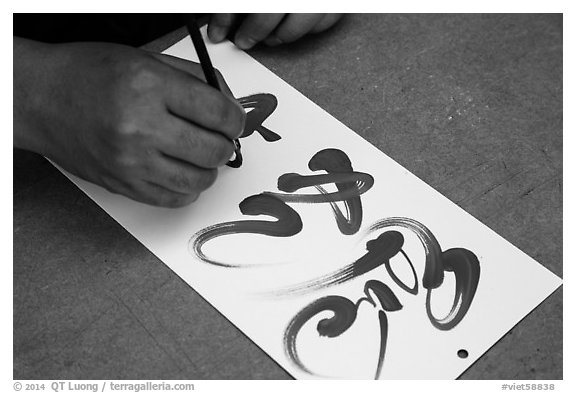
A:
(245, 43)
(216, 34)
(232, 157)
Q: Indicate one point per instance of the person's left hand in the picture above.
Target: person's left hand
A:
(271, 29)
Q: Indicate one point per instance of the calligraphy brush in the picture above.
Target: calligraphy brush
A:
(210, 75)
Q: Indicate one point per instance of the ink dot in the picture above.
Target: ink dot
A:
(462, 354)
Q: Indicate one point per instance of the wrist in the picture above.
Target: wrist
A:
(33, 88)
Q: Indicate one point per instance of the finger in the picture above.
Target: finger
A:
(255, 28)
(191, 99)
(194, 69)
(327, 21)
(196, 146)
(153, 194)
(293, 27)
(150, 194)
(220, 25)
(180, 177)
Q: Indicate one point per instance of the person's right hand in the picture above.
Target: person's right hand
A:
(140, 124)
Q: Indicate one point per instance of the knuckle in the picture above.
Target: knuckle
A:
(205, 179)
(142, 73)
(124, 163)
(220, 109)
(193, 181)
(179, 200)
(131, 147)
(128, 136)
(118, 184)
(132, 72)
(137, 80)
(110, 184)
(190, 140)
(158, 198)
(181, 181)
(167, 201)
(133, 130)
(223, 20)
(127, 129)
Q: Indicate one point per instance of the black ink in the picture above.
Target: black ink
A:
(288, 224)
(466, 269)
(380, 251)
(433, 272)
(262, 106)
(345, 313)
(350, 186)
(463, 263)
(397, 281)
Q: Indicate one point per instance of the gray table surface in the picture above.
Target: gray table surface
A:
(471, 104)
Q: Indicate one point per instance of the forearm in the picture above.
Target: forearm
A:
(33, 78)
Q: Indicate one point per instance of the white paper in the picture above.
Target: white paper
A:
(511, 284)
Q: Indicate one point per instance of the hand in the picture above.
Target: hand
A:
(140, 124)
(271, 29)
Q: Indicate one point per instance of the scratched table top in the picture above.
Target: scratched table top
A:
(471, 104)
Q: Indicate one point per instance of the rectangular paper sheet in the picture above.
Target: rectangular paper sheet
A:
(256, 296)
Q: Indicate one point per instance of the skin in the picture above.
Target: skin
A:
(140, 124)
(247, 30)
